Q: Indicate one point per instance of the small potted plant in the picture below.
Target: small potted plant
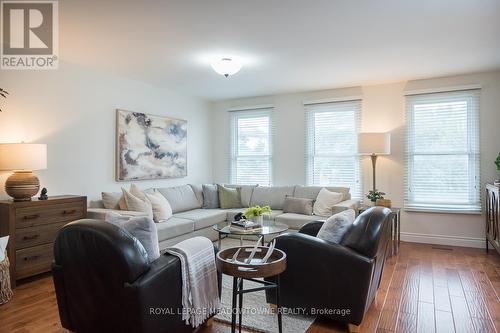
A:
(377, 197)
(256, 213)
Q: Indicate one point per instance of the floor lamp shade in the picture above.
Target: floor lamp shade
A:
(374, 144)
(22, 158)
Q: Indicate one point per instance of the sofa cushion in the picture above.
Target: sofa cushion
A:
(203, 217)
(198, 192)
(298, 205)
(274, 196)
(335, 227)
(311, 192)
(229, 197)
(210, 196)
(174, 227)
(246, 192)
(297, 221)
(180, 198)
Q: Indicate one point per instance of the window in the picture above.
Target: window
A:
(332, 145)
(443, 152)
(251, 147)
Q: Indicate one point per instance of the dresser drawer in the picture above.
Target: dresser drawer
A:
(43, 234)
(33, 260)
(34, 216)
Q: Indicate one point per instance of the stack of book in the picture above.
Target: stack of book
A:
(245, 226)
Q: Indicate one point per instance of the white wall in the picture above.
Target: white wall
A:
(72, 110)
(383, 110)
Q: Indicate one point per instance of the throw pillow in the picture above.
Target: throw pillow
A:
(135, 204)
(111, 200)
(336, 226)
(229, 197)
(143, 228)
(298, 205)
(210, 196)
(136, 192)
(161, 208)
(325, 202)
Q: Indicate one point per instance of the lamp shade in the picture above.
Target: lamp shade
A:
(374, 143)
(23, 156)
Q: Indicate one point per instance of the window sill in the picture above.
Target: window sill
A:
(443, 210)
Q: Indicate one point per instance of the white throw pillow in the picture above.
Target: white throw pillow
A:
(143, 228)
(336, 226)
(111, 200)
(161, 208)
(136, 204)
(323, 206)
(136, 192)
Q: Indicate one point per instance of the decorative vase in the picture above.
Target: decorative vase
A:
(258, 219)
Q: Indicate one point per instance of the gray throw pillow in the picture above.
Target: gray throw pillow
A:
(298, 205)
(210, 196)
(143, 228)
(335, 227)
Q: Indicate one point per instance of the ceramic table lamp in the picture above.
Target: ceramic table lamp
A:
(374, 144)
(22, 159)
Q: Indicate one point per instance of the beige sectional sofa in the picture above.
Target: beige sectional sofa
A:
(190, 219)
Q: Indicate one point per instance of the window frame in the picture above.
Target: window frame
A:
(474, 206)
(356, 190)
(249, 113)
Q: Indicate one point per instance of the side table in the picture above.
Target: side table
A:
(240, 270)
(395, 219)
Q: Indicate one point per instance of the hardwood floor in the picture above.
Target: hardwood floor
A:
(424, 289)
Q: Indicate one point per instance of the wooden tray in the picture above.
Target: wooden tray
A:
(275, 265)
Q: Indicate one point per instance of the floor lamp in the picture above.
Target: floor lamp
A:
(374, 144)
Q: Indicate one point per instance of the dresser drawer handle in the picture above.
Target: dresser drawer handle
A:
(69, 212)
(31, 217)
(31, 237)
(31, 258)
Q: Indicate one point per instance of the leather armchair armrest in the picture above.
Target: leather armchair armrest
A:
(311, 228)
(159, 289)
(301, 246)
(322, 274)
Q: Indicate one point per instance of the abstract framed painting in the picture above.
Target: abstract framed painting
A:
(150, 147)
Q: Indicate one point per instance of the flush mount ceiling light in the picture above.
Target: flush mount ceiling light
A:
(226, 66)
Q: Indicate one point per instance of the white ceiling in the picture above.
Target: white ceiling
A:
(287, 45)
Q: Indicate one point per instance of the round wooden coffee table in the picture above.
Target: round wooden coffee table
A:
(241, 270)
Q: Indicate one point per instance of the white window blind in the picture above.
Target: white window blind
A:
(442, 153)
(251, 147)
(332, 145)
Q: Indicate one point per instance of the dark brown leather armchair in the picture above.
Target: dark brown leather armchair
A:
(104, 282)
(337, 281)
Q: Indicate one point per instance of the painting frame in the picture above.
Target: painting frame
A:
(121, 172)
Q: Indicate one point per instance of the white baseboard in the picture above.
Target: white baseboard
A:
(443, 240)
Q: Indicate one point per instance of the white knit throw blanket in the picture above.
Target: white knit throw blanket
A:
(200, 293)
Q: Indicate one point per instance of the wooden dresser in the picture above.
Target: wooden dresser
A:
(492, 207)
(32, 227)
